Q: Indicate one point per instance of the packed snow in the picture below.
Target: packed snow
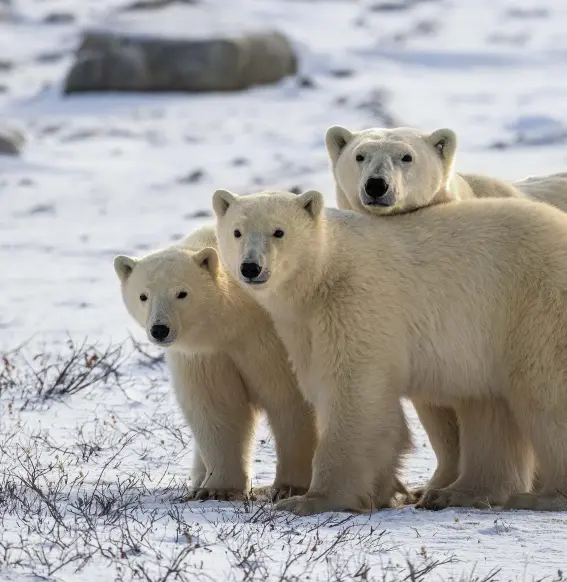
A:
(92, 483)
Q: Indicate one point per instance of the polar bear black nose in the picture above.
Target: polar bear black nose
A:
(250, 270)
(376, 187)
(159, 332)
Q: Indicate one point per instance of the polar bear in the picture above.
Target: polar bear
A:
(226, 363)
(371, 311)
(392, 171)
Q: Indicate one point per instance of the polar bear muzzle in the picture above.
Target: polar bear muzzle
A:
(253, 273)
(253, 268)
(159, 332)
(377, 192)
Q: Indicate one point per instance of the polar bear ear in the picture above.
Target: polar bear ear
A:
(208, 259)
(222, 199)
(312, 201)
(445, 142)
(124, 266)
(336, 139)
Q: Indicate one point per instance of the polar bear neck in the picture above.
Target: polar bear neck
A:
(312, 283)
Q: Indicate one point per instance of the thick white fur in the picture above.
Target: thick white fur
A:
(477, 471)
(226, 363)
(428, 179)
(452, 303)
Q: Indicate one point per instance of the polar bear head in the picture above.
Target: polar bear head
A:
(261, 236)
(390, 171)
(172, 293)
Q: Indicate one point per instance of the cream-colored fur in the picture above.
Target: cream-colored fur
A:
(226, 363)
(424, 178)
(484, 476)
(453, 303)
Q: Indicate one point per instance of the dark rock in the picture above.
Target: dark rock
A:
(59, 18)
(154, 4)
(427, 28)
(397, 5)
(41, 209)
(198, 214)
(193, 177)
(341, 73)
(117, 67)
(498, 145)
(114, 61)
(11, 141)
(51, 129)
(239, 162)
(50, 57)
(306, 82)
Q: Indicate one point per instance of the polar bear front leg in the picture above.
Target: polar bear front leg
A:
(215, 403)
(387, 478)
(198, 470)
(360, 431)
(442, 428)
(293, 424)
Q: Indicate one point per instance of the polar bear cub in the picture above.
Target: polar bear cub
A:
(226, 363)
(371, 311)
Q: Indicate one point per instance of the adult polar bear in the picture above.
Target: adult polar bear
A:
(392, 171)
(226, 363)
(434, 317)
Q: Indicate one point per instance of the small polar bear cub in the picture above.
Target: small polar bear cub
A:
(364, 330)
(226, 364)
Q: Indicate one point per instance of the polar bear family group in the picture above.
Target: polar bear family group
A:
(447, 289)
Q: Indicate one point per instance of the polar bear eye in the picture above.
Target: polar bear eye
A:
(407, 158)
(237, 234)
(143, 297)
(182, 295)
(278, 233)
(359, 158)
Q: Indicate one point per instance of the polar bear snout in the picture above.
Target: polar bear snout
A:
(253, 270)
(250, 270)
(376, 190)
(159, 331)
(161, 334)
(253, 273)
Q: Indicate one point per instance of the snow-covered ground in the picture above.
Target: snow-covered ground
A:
(90, 483)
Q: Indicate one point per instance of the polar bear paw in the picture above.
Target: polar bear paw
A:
(285, 491)
(304, 505)
(207, 493)
(437, 499)
(548, 502)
